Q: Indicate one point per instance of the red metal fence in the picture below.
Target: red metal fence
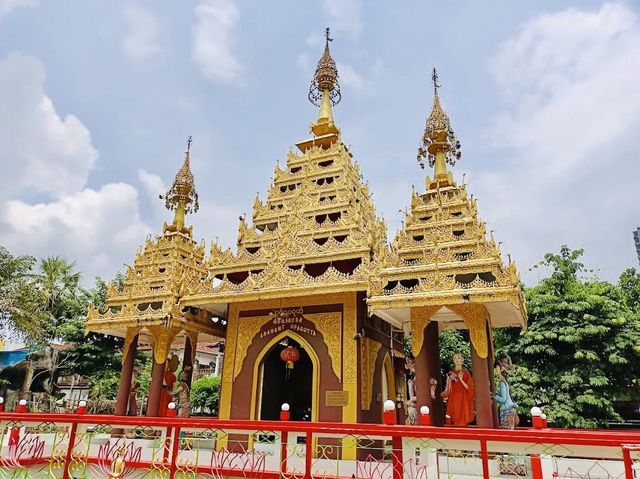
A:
(36, 445)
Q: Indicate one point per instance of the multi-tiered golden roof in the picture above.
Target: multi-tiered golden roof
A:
(317, 231)
(441, 265)
(148, 302)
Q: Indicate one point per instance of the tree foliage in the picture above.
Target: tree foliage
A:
(205, 394)
(581, 348)
(22, 305)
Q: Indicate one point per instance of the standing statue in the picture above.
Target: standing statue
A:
(508, 409)
(433, 383)
(133, 393)
(169, 381)
(459, 393)
(182, 393)
(412, 401)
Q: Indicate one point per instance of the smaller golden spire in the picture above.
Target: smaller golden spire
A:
(182, 197)
(439, 144)
(324, 90)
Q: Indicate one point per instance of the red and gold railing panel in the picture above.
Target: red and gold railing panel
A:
(51, 446)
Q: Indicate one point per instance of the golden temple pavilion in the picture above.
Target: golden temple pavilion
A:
(314, 303)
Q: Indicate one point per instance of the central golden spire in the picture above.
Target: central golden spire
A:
(439, 144)
(325, 91)
(182, 197)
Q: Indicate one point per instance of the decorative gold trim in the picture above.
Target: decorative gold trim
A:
(131, 334)
(368, 354)
(247, 330)
(420, 317)
(475, 317)
(162, 339)
(329, 325)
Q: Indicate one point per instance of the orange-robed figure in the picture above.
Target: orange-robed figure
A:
(459, 393)
(168, 382)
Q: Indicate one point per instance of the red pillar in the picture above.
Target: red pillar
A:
(155, 388)
(126, 372)
(427, 366)
(484, 404)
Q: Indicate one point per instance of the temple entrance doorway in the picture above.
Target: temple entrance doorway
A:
(280, 384)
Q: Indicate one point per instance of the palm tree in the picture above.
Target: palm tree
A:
(59, 284)
(22, 306)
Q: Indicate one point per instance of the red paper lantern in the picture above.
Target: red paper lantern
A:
(290, 355)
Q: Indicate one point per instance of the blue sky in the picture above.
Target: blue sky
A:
(97, 99)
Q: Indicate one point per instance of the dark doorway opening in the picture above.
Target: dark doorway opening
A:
(294, 388)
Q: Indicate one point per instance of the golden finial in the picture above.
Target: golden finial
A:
(326, 77)
(182, 197)
(439, 144)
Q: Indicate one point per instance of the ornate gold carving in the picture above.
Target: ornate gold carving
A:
(325, 78)
(131, 334)
(368, 354)
(420, 317)
(329, 325)
(442, 256)
(169, 266)
(350, 357)
(182, 193)
(162, 339)
(247, 330)
(475, 317)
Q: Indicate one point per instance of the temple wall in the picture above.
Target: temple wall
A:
(326, 322)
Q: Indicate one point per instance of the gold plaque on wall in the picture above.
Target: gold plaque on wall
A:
(336, 398)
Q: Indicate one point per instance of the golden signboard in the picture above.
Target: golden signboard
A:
(336, 398)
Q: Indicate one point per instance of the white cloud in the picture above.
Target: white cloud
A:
(344, 15)
(142, 38)
(98, 228)
(6, 6)
(52, 156)
(360, 84)
(213, 40)
(572, 109)
(153, 184)
(41, 151)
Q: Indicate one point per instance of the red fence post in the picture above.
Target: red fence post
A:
(485, 459)
(536, 466)
(70, 447)
(425, 419)
(22, 406)
(14, 435)
(389, 412)
(171, 412)
(628, 463)
(175, 447)
(308, 448)
(284, 438)
(396, 458)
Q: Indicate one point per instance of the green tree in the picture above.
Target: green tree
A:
(454, 341)
(205, 394)
(581, 348)
(59, 283)
(629, 283)
(93, 353)
(22, 306)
